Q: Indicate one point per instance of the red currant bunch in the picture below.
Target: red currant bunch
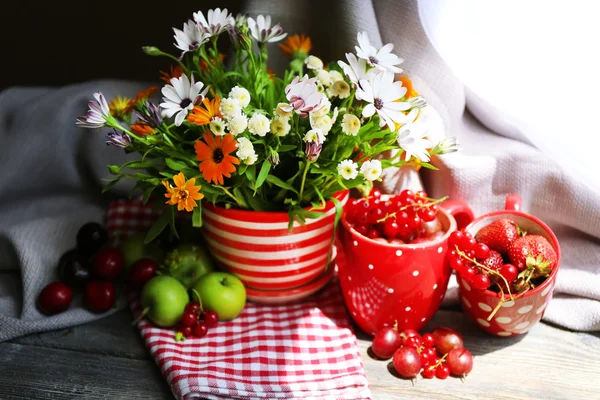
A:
(195, 321)
(404, 218)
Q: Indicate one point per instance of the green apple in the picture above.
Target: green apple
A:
(164, 299)
(133, 249)
(188, 263)
(222, 293)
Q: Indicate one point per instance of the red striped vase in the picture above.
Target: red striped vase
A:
(258, 247)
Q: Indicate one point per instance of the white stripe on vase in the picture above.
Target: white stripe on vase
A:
(280, 279)
(269, 255)
(269, 269)
(290, 239)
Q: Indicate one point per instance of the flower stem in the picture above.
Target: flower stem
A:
(303, 180)
(228, 193)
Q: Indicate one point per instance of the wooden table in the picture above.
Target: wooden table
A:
(107, 360)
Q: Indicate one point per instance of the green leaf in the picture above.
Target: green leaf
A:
(262, 175)
(139, 164)
(148, 193)
(278, 182)
(114, 169)
(160, 224)
(110, 184)
(197, 216)
(428, 166)
(251, 173)
(286, 147)
(166, 174)
(175, 165)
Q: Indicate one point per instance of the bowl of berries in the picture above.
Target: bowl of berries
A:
(392, 265)
(506, 264)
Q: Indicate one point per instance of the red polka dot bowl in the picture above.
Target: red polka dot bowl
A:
(518, 316)
(385, 283)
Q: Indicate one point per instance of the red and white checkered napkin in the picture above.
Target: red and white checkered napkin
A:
(305, 350)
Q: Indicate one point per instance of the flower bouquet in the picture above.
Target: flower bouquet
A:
(231, 135)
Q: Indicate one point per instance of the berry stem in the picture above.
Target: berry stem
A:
(416, 206)
(432, 367)
(199, 299)
(489, 270)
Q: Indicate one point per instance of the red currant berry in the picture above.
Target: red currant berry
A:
(428, 372)
(414, 222)
(408, 333)
(362, 217)
(373, 234)
(405, 232)
(211, 318)
(424, 358)
(421, 194)
(432, 352)
(442, 372)
(481, 281)
(427, 214)
(402, 218)
(188, 319)
(456, 239)
(468, 274)
(481, 251)
(467, 243)
(428, 340)
(375, 214)
(193, 307)
(413, 341)
(391, 228)
(362, 229)
(200, 329)
(375, 193)
(509, 272)
(185, 330)
(406, 194)
(456, 263)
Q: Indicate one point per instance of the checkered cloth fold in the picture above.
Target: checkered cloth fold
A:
(305, 350)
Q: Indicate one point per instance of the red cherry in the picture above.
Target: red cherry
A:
(200, 329)
(185, 330)
(193, 307)
(141, 272)
(442, 372)
(428, 340)
(55, 298)
(375, 193)
(509, 272)
(481, 251)
(481, 281)
(99, 296)
(108, 263)
(188, 319)
(211, 319)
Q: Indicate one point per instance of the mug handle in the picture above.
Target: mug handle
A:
(513, 202)
(461, 212)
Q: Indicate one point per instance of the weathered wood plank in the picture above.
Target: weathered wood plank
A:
(547, 363)
(32, 373)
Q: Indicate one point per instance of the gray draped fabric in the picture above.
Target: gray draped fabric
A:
(51, 171)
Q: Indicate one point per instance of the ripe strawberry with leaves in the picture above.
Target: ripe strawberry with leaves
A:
(499, 235)
(535, 257)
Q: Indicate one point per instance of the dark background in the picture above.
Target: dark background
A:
(58, 42)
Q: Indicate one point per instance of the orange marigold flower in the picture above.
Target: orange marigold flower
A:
(184, 194)
(117, 105)
(214, 157)
(141, 98)
(296, 44)
(141, 129)
(203, 116)
(407, 83)
(173, 73)
(204, 64)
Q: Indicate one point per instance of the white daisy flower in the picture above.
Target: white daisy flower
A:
(411, 137)
(97, 115)
(303, 96)
(326, 107)
(259, 125)
(241, 95)
(446, 145)
(348, 169)
(280, 126)
(382, 93)
(350, 124)
(379, 58)
(237, 124)
(261, 30)
(339, 89)
(335, 115)
(180, 96)
(217, 22)
(323, 77)
(230, 108)
(371, 170)
(314, 135)
(190, 38)
(250, 159)
(323, 123)
(245, 151)
(281, 108)
(313, 62)
(335, 76)
(217, 126)
(356, 69)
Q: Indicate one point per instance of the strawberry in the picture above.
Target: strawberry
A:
(533, 253)
(494, 261)
(498, 235)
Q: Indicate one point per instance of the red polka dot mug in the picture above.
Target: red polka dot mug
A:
(511, 317)
(386, 283)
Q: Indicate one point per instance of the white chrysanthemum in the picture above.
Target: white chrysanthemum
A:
(259, 125)
(241, 95)
(230, 108)
(280, 126)
(350, 124)
(314, 136)
(382, 94)
(322, 111)
(411, 137)
(280, 110)
(313, 62)
(340, 89)
(348, 169)
(245, 151)
(379, 58)
(371, 170)
(323, 77)
(180, 96)
(335, 76)
(251, 159)
(217, 126)
(237, 124)
(323, 123)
